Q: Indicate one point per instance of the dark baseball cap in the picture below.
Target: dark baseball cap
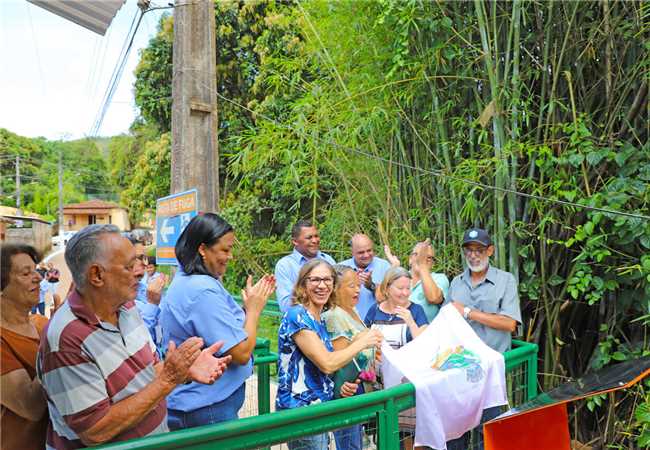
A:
(477, 235)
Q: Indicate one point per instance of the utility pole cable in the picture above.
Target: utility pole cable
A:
(195, 150)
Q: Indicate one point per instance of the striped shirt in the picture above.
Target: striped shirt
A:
(86, 365)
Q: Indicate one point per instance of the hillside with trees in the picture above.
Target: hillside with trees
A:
(85, 172)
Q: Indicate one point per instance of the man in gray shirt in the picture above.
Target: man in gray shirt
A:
(487, 298)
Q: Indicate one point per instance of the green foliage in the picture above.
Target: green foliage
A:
(153, 77)
(84, 172)
(642, 418)
(150, 179)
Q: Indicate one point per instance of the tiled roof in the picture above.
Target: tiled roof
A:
(92, 204)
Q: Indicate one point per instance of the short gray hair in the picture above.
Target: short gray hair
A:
(84, 249)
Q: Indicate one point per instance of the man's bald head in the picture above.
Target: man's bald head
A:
(362, 250)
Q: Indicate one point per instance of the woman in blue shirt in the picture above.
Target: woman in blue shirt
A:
(197, 304)
(306, 355)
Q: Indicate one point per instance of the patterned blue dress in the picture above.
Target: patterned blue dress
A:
(300, 382)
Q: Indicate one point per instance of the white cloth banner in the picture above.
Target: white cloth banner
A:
(456, 377)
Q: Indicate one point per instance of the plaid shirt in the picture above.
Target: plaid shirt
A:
(86, 365)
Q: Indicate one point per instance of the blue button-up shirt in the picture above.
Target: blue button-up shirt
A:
(199, 305)
(379, 267)
(286, 275)
(150, 314)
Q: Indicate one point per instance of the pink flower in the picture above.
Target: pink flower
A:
(367, 376)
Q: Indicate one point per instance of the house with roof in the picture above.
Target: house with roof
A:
(78, 215)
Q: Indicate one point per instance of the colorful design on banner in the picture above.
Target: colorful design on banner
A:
(460, 358)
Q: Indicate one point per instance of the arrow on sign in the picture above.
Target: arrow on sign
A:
(165, 231)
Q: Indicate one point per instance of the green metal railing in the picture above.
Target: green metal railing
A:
(379, 406)
(262, 361)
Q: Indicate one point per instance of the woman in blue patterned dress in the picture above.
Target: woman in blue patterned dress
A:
(306, 355)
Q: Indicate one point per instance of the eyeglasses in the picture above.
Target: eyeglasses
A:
(317, 280)
(478, 251)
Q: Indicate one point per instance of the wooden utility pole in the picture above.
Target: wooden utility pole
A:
(19, 211)
(61, 195)
(195, 151)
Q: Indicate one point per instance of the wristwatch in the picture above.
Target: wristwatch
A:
(466, 311)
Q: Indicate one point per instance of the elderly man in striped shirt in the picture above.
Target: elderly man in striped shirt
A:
(97, 362)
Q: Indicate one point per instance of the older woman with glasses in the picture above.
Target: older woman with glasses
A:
(307, 357)
(23, 405)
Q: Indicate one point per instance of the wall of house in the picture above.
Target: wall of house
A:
(38, 235)
(116, 216)
(120, 218)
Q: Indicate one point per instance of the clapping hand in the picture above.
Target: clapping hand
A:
(256, 295)
(178, 360)
(207, 368)
(365, 278)
(392, 259)
(154, 289)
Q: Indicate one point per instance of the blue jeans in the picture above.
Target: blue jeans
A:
(222, 411)
(314, 442)
(350, 438)
(462, 443)
(40, 308)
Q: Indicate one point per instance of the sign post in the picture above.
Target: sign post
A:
(173, 213)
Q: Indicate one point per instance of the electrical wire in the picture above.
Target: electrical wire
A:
(117, 72)
(436, 173)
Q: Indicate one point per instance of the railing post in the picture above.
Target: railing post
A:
(532, 374)
(388, 427)
(263, 389)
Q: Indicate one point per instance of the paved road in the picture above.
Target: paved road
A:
(58, 261)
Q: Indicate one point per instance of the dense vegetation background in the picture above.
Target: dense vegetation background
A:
(417, 119)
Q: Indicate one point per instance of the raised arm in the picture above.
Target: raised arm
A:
(422, 268)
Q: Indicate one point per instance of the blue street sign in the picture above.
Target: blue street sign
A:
(173, 213)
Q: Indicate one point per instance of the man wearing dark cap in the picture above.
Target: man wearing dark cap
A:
(487, 298)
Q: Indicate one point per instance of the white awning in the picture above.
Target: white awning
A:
(95, 15)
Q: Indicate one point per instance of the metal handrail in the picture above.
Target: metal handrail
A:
(281, 426)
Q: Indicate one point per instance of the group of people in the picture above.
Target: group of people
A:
(121, 358)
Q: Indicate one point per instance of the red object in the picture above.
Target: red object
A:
(542, 429)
